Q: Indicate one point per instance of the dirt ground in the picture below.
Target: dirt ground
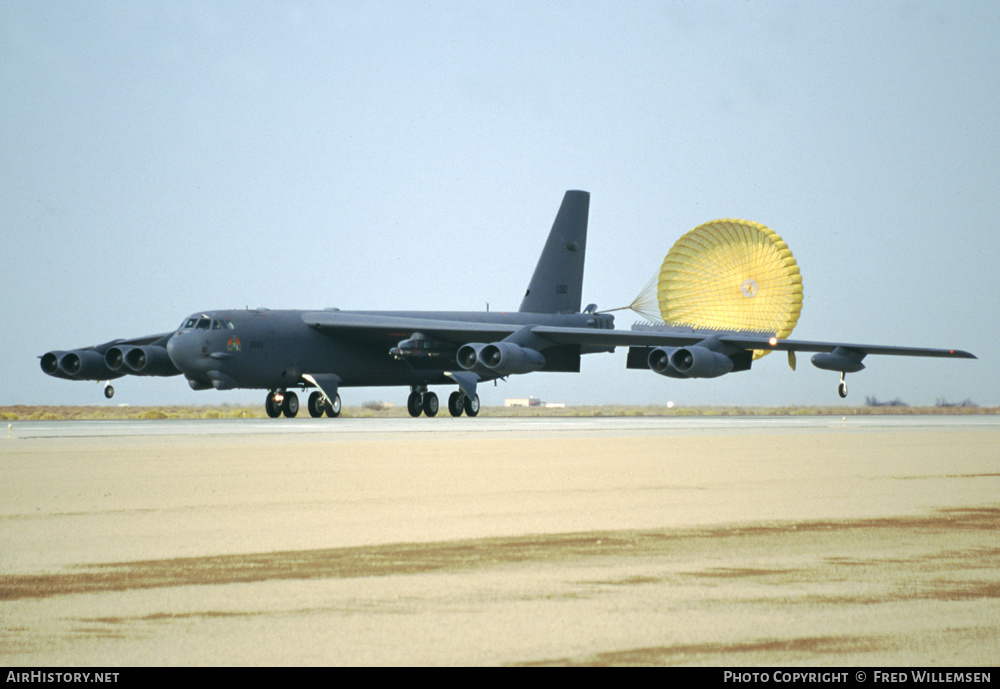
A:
(762, 546)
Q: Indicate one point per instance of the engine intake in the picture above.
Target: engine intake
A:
(80, 364)
(149, 361)
(507, 358)
(689, 362)
(114, 358)
(499, 358)
(468, 357)
(50, 364)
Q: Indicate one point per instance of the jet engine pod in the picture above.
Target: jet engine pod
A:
(114, 358)
(689, 362)
(659, 361)
(507, 358)
(468, 356)
(50, 364)
(83, 364)
(840, 359)
(150, 361)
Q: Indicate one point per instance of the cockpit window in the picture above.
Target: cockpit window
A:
(205, 322)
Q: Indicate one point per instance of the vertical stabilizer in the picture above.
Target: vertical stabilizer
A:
(557, 283)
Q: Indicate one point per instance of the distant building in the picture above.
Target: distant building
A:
(523, 402)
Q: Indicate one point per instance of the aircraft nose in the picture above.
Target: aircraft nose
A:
(182, 348)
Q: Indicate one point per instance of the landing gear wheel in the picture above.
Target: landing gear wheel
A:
(472, 406)
(290, 406)
(842, 389)
(316, 404)
(271, 406)
(430, 404)
(456, 403)
(414, 404)
(333, 407)
(109, 391)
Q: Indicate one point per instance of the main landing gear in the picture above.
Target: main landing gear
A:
(458, 402)
(842, 387)
(280, 402)
(320, 404)
(421, 401)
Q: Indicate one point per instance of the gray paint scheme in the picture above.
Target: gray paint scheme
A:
(286, 349)
(557, 284)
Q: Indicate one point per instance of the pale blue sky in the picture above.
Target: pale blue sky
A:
(163, 158)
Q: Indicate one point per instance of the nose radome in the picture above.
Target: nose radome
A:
(180, 350)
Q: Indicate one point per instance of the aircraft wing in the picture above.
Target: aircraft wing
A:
(132, 342)
(375, 328)
(666, 338)
(372, 327)
(89, 363)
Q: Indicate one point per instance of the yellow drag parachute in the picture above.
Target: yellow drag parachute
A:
(727, 275)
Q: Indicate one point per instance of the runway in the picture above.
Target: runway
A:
(698, 540)
(347, 427)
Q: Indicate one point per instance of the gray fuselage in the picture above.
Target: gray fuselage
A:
(267, 349)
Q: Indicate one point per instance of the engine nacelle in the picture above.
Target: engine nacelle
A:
(80, 364)
(689, 362)
(840, 359)
(150, 361)
(114, 358)
(507, 358)
(468, 357)
(50, 364)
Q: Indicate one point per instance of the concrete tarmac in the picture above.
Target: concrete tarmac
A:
(708, 541)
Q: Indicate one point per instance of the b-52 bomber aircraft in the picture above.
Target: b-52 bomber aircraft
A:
(323, 351)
